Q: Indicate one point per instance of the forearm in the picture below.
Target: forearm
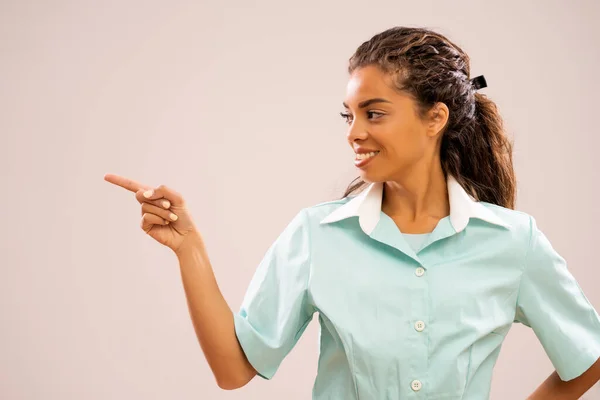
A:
(553, 388)
(211, 317)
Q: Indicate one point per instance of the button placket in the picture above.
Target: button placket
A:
(419, 325)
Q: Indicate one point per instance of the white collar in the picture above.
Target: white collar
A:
(367, 206)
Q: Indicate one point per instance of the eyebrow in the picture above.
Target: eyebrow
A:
(366, 103)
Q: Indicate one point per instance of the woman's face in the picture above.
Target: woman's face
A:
(390, 127)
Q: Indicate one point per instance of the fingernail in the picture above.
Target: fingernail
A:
(148, 194)
(166, 204)
(173, 217)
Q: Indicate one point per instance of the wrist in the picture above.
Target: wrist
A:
(191, 243)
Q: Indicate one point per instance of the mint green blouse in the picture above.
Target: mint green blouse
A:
(407, 317)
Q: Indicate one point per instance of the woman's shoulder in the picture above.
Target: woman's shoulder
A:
(319, 211)
(517, 220)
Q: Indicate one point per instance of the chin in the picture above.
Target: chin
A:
(372, 176)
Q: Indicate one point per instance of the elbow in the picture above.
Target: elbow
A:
(231, 376)
(228, 385)
(232, 383)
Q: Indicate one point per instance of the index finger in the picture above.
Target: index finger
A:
(126, 183)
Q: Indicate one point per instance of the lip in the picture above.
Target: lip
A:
(363, 150)
(362, 163)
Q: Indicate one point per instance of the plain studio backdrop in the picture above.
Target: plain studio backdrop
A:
(235, 105)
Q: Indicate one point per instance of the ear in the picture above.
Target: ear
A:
(438, 118)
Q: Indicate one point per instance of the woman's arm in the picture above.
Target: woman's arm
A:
(212, 318)
(554, 388)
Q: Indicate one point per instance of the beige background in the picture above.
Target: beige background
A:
(235, 105)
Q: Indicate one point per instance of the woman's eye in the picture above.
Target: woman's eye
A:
(346, 116)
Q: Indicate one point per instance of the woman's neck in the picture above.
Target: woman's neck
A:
(417, 201)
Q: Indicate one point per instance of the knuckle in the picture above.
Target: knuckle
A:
(139, 195)
(177, 197)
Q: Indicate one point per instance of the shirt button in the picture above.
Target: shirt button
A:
(419, 326)
(419, 271)
(416, 385)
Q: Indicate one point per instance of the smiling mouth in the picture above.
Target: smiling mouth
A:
(365, 156)
(362, 160)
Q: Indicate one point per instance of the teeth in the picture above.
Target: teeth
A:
(366, 155)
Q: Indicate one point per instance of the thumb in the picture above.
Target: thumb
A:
(165, 192)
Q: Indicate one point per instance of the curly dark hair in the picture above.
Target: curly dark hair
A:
(428, 66)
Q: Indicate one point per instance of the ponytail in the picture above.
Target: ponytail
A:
(479, 156)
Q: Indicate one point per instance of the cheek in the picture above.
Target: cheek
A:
(406, 144)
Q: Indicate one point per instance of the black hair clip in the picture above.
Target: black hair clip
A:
(479, 82)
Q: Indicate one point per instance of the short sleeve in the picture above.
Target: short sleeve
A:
(276, 309)
(552, 303)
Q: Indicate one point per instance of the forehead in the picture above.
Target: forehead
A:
(368, 82)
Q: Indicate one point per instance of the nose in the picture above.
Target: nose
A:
(355, 133)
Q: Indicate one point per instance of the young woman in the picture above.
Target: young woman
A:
(419, 271)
